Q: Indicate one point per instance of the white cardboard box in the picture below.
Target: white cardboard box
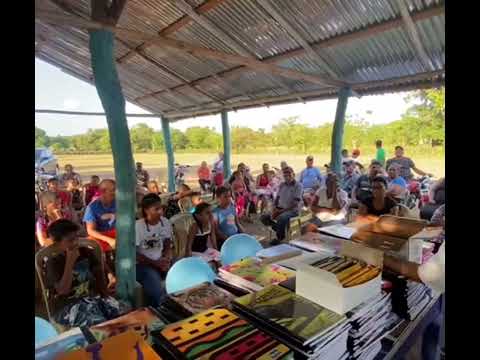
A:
(323, 287)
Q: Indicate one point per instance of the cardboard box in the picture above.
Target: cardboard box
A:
(323, 287)
(394, 235)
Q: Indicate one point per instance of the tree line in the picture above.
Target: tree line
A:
(421, 126)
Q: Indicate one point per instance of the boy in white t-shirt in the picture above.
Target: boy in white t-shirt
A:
(154, 248)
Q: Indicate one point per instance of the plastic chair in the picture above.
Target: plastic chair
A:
(44, 331)
(45, 254)
(238, 247)
(188, 272)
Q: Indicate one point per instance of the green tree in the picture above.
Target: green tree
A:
(41, 138)
(141, 136)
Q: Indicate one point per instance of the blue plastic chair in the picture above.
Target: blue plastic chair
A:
(238, 247)
(43, 331)
(188, 272)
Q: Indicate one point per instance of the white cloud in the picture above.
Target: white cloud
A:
(71, 104)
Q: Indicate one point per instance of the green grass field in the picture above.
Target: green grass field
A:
(102, 165)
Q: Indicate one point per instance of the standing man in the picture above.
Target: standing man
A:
(143, 176)
(380, 157)
(286, 205)
(69, 174)
(406, 164)
(311, 180)
(218, 170)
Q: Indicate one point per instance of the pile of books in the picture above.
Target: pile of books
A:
(370, 322)
(220, 334)
(349, 271)
(306, 327)
(409, 298)
(197, 299)
(252, 274)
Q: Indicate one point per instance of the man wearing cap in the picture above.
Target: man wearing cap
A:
(349, 178)
(142, 175)
(311, 179)
(286, 205)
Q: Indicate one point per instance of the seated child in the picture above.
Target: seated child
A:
(92, 190)
(154, 248)
(51, 210)
(77, 281)
(74, 188)
(202, 241)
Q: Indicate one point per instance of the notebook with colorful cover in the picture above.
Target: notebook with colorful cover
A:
(68, 341)
(303, 320)
(125, 346)
(220, 334)
(202, 297)
(252, 274)
(143, 321)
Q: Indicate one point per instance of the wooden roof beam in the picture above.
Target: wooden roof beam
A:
(404, 82)
(364, 33)
(414, 36)
(272, 11)
(177, 25)
(170, 73)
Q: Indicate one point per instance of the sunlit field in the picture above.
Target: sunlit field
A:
(102, 165)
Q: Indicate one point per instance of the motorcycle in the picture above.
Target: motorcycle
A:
(419, 189)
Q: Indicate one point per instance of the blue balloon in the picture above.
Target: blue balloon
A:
(188, 272)
(238, 247)
(43, 331)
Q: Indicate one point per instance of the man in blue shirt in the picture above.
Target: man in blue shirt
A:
(397, 186)
(100, 216)
(311, 180)
(224, 216)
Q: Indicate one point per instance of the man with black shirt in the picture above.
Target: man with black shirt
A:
(363, 188)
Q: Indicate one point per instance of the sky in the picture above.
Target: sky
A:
(56, 90)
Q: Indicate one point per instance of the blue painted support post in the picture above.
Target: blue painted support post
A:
(227, 146)
(167, 139)
(113, 102)
(338, 127)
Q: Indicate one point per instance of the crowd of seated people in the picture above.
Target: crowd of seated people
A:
(327, 196)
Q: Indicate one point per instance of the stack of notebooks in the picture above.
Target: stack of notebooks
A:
(66, 342)
(252, 274)
(197, 299)
(370, 322)
(311, 330)
(349, 271)
(409, 298)
(140, 323)
(220, 334)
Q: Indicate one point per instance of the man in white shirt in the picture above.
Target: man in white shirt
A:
(432, 274)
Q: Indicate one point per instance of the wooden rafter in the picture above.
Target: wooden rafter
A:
(177, 25)
(272, 11)
(257, 65)
(364, 33)
(414, 36)
(427, 79)
(168, 72)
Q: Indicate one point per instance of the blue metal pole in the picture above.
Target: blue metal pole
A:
(110, 93)
(167, 139)
(227, 146)
(338, 127)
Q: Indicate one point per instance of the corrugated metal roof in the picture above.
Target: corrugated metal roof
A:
(361, 41)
